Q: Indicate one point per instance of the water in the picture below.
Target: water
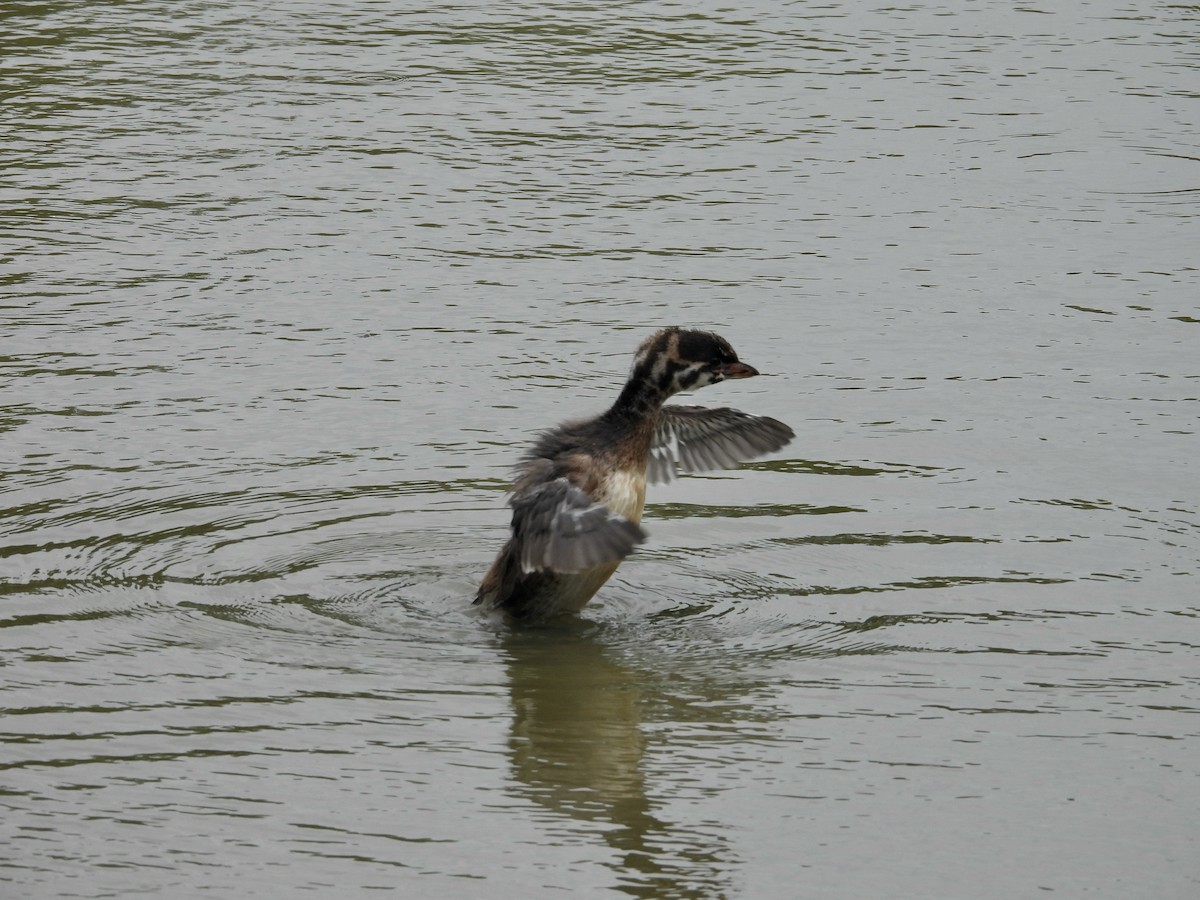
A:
(288, 286)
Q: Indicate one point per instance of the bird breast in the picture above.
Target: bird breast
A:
(624, 493)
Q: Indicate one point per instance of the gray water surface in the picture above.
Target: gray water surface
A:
(286, 289)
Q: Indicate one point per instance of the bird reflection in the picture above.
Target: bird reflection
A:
(577, 749)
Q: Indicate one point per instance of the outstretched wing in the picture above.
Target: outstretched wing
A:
(695, 438)
(557, 526)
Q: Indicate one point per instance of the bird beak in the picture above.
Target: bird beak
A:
(738, 370)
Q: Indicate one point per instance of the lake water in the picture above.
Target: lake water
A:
(288, 286)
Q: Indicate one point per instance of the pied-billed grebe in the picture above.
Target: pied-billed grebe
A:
(578, 495)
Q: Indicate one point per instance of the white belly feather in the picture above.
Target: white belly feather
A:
(624, 493)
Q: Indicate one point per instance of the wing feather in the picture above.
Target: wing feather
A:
(560, 529)
(695, 439)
